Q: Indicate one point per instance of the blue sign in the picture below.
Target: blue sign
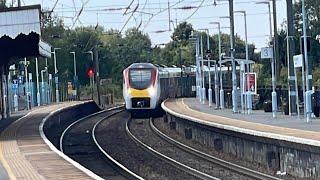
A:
(20, 79)
(14, 86)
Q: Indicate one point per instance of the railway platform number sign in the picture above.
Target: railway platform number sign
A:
(266, 53)
(297, 61)
(250, 83)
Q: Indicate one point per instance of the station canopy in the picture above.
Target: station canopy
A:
(20, 33)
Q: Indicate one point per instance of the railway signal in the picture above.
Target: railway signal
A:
(90, 72)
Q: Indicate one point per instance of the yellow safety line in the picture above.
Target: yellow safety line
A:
(6, 165)
(4, 161)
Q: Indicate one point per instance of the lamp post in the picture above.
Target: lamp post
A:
(180, 63)
(26, 63)
(42, 82)
(198, 76)
(203, 89)
(50, 94)
(209, 73)
(308, 92)
(56, 74)
(274, 93)
(48, 79)
(97, 72)
(37, 76)
(75, 72)
(198, 67)
(242, 68)
(220, 64)
(234, 75)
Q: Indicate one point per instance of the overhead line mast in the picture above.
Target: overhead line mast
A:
(234, 75)
(169, 15)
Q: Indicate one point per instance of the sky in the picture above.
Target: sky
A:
(153, 16)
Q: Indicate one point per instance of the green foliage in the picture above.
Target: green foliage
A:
(263, 77)
(312, 9)
(3, 4)
(316, 76)
(117, 51)
(182, 32)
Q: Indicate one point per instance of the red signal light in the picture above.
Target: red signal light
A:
(90, 72)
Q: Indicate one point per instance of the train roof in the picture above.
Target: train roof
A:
(142, 65)
(175, 69)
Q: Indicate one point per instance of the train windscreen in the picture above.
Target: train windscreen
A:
(140, 78)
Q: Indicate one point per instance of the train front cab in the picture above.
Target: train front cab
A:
(141, 93)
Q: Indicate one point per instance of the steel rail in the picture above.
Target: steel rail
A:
(213, 159)
(129, 174)
(183, 167)
(82, 119)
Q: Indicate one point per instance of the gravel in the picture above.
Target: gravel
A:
(79, 145)
(142, 129)
(164, 128)
(112, 136)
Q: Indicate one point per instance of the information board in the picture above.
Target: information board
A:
(250, 82)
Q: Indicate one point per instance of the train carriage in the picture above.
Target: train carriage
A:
(146, 85)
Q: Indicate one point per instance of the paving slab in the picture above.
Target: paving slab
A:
(287, 128)
(25, 155)
(258, 116)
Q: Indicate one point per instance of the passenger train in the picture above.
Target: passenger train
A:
(142, 86)
(146, 85)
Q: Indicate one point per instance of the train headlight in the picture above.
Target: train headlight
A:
(152, 91)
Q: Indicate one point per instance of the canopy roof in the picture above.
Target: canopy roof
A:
(20, 33)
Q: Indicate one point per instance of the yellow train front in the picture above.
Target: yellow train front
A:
(141, 87)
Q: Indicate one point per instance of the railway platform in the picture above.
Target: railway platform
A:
(259, 123)
(285, 145)
(25, 154)
(4, 123)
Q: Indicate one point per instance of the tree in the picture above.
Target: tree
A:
(313, 24)
(3, 4)
(182, 32)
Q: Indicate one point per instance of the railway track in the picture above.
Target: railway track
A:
(228, 165)
(200, 161)
(100, 143)
(114, 138)
(76, 142)
(114, 146)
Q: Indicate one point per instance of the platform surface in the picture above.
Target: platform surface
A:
(25, 155)
(4, 123)
(288, 128)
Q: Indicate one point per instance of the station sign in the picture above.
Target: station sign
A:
(20, 78)
(193, 88)
(266, 53)
(297, 61)
(250, 83)
(14, 87)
